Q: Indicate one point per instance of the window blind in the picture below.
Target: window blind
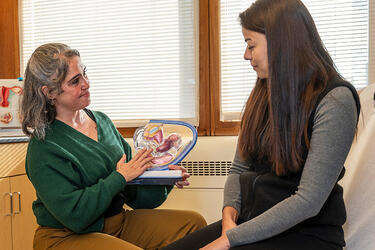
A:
(140, 55)
(342, 25)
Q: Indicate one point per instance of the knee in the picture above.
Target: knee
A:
(196, 220)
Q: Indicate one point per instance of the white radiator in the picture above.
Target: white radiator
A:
(208, 164)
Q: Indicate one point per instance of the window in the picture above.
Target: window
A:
(141, 56)
(143, 61)
(342, 24)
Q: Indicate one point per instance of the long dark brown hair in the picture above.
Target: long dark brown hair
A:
(275, 119)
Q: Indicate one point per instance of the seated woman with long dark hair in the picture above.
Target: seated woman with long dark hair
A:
(282, 191)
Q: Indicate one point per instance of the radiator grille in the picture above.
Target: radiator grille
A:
(207, 168)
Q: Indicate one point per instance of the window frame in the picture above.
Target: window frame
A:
(210, 123)
(218, 127)
(9, 42)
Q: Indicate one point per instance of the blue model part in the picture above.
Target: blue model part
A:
(185, 151)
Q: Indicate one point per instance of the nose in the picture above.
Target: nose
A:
(247, 55)
(85, 82)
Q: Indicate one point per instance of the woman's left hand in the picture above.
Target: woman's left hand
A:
(221, 243)
(185, 176)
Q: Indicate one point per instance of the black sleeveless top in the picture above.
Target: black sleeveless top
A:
(260, 194)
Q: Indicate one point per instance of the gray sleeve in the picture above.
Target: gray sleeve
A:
(333, 132)
(232, 192)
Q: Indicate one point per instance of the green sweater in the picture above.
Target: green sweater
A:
(75, 178)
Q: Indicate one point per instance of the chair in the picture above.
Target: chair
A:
(359, 180)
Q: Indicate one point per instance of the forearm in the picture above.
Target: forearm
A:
(232, 191)
(229, 220)
(78, 208)
(230, 214)
(59, 187)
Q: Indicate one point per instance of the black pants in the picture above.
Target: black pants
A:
(285, 241)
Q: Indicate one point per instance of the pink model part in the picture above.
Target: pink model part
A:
(162, 159)
(153, 132)
(172, 141)
(158, 137)
(165, 146)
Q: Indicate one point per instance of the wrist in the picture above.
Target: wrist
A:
(228, 220)
(226, 240)
(123, 174)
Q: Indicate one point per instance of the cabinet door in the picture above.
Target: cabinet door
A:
(5, 215)
(23, 219)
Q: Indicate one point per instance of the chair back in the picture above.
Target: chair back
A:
(359, 180)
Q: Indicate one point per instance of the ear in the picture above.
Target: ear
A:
(46, 92)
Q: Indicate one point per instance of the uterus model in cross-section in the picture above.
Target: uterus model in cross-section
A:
(164, 147)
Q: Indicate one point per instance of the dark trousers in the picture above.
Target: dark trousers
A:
(284, 241)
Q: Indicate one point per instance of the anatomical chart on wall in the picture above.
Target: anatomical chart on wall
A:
(10, 93)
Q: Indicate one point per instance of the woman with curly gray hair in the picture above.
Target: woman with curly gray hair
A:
(80, 165)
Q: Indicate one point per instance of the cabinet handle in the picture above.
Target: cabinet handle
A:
(19, 202)
(11, 204)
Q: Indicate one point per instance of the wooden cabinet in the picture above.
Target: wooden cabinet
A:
(5, 212)
(17, 219)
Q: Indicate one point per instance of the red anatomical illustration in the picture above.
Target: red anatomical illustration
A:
(6, 118)
(17, 90)
(4, 96)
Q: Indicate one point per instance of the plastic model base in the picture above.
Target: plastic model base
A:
(162, 177)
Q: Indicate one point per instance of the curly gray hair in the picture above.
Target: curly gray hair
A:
(47, 66)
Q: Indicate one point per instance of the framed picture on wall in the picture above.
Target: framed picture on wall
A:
(11, 91)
